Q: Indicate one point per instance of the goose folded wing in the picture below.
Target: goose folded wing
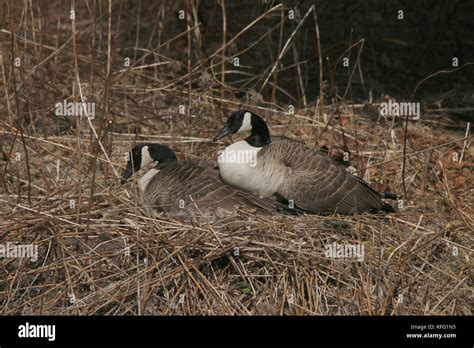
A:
(317, 184)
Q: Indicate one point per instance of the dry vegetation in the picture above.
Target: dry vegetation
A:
(100, 254)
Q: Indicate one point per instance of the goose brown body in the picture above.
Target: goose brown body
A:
(197, 189)
(314, 182)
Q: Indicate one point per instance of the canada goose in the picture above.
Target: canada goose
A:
(292, 171)
(186, 188)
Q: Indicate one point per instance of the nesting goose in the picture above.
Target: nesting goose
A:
(292, 171)
(186, 188)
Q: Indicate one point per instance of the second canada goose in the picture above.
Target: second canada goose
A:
(292, 171)
(186, 188)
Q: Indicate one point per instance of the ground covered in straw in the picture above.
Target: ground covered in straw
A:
(99, 253)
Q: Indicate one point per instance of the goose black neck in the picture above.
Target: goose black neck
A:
(260, 135)
(163, 154)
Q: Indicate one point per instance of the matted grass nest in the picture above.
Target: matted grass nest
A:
(100, 253)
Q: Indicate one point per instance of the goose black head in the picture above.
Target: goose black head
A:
(244, 120)
(144, 154)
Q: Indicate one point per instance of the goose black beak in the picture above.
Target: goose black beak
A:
(127, 173)
(223, 133)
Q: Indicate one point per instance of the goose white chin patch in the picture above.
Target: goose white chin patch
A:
(246, 123)
(145, 179)
(146, 158)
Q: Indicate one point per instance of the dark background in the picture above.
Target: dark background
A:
(397, 54)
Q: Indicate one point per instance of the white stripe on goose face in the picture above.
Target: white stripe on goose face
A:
(145, 179)
(146, 158)
(246, 123)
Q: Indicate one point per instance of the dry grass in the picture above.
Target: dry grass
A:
(100, 253)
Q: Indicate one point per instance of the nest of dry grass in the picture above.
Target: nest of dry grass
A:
(100, 253)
